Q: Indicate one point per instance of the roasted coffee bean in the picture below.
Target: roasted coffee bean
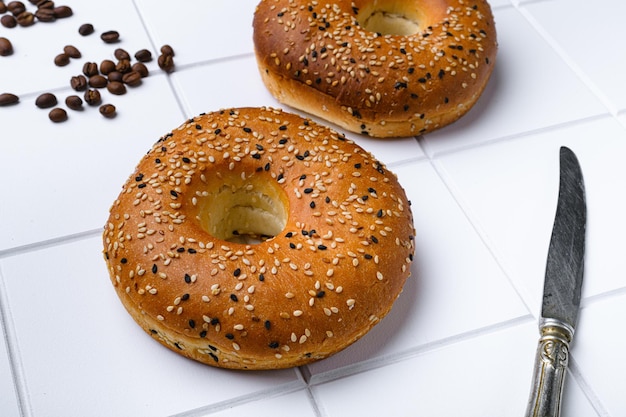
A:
(115, 76)
(79, 83)
(8, 21)
(93, 97)
(116, 87)
(72, 51)
(86, 29)
(45, 15)
(98, 81)
(62, 12)
(167, 50)
(3, 7)
(110, 36)
(7, 99)
(121, 54)
(61, 60)
(46, 100)
(123, 66)
(44, 4)
(57, 115)
(166, 62)
(25, 19)
(108, 111)
(16, 7)
(107, 66)
(74, 102)
(90, 68)
(141, 68)
(132, 78)
(6, 48)
(143, 55)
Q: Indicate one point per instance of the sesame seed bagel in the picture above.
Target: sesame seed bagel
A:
(253, 238)
(383, 68)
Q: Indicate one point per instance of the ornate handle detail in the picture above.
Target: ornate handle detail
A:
(550, 366)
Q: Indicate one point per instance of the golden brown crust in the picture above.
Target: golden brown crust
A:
(316, 57)
(331, 272)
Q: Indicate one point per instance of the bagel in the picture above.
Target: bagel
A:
(391, 68)
(253, 238)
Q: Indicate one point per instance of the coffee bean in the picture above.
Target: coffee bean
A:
(115, 76)
(8, 21)
(25, 19)
(123, 66)
(90, 68)
(108, 111)
(6, 48)
(143, 55)
(46, 100)
(107, 66)
(110, 36)
(167, 50)
(62, 12)
(98, 81)
(132, 78)
(7, 99)
(79, 83)
(166, 62)
(116, 87)
(57, 115)
(3, 7)
(121, 54)
(74, 102)
(141, 68)
(86, 29)
(72, 51)
(45, 15)
(16, 7)
(44, 4)
(93, 97)
(61, 60)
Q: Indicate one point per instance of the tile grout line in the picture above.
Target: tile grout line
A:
(15, 364)
(586, 388)
(42, 244)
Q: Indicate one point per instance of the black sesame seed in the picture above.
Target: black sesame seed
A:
(267, 324)
(187, 278)
(322, 247)
(267, 167)
(274, 345)
(308, 190)
(192, 323)
(185, 297)
(229, 336)
(123, 260)
(320, 294)
(139, 177)
(154, 268)
(212, 355)
(379, 213)
(191, 250)
(312, 204)
(237, 272)
(215, 321)
(186, 160)
(289, 234)
(142, 185)
(261, 277)
(153, 331)
(180, 250)
(234, 298)
(292, 245)
(367, 256)
(282, 127)
(173, 193)
(213, 348)
(203, 333)
(178, 346)
(247, 130)
(374, 239)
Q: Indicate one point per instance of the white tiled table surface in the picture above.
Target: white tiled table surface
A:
(459, 342)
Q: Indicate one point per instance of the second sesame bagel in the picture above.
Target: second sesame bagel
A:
(332, 230)
(383, 68)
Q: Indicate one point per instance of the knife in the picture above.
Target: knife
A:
(561, 291)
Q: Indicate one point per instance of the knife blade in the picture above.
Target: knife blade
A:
(562, 290)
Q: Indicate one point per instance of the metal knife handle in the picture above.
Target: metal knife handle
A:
(550, 366)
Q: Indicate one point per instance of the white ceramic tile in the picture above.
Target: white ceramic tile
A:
(597, 48)
(485, 376)
(236, 83)
(531, 88)
(456, 285)
(510, 189)
(80, 349)
(599, 355)
(62, 178)
(31, 68)
(8, 398)
(289, 405)
(201, 30)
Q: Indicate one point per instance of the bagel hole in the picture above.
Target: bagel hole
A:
(243, 212)
(389, 19)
